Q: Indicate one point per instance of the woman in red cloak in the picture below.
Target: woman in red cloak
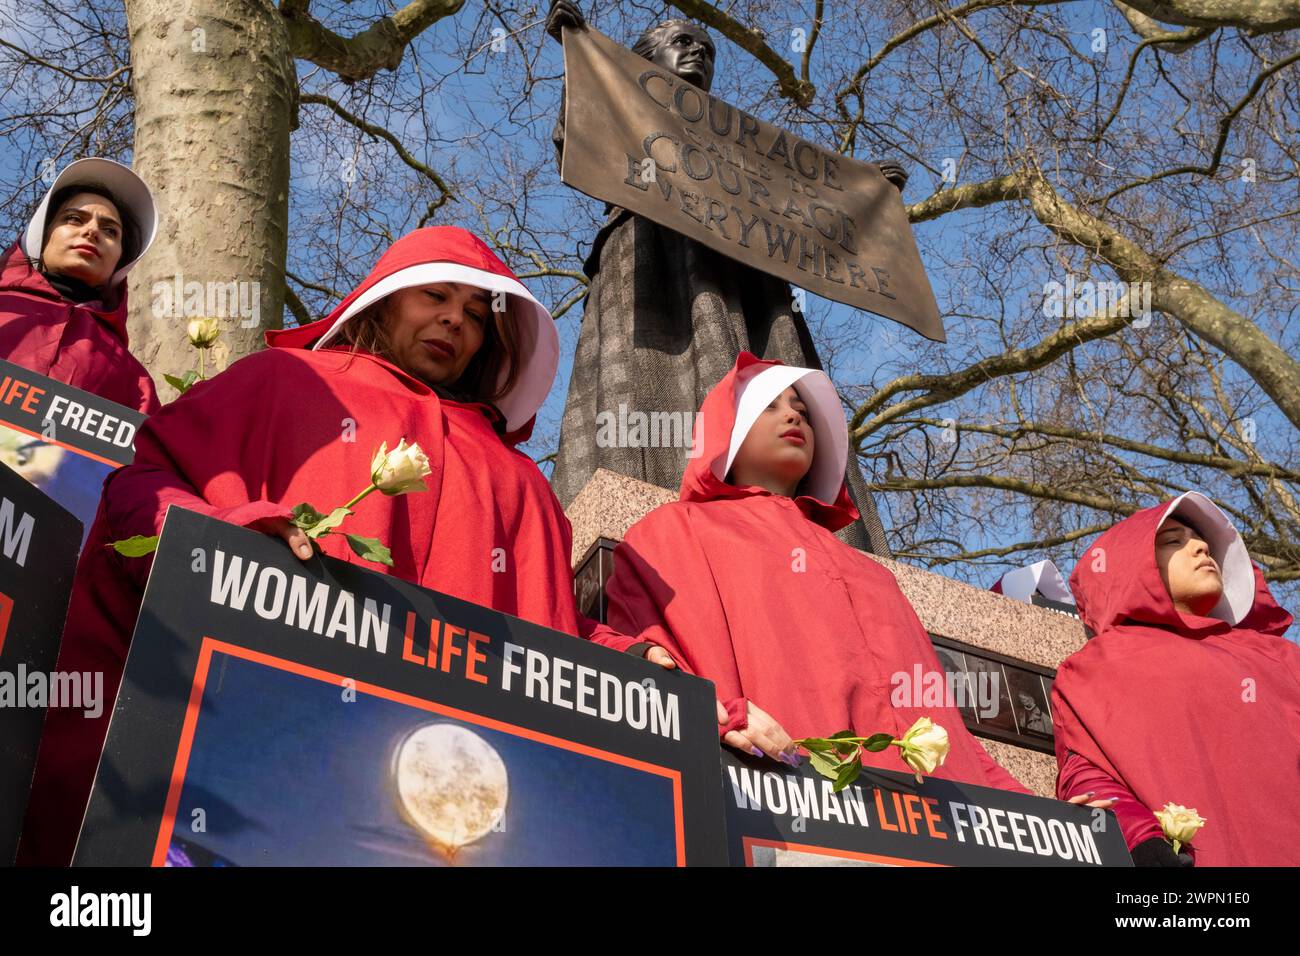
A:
(63, 283)
(742, 581)
(1188, 694)
(440, 345)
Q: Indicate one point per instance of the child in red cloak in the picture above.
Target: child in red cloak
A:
(63, 283)
(743, 582)
(1188, 694)
(299, 422)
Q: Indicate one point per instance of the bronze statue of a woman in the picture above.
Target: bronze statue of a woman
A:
(665, 317)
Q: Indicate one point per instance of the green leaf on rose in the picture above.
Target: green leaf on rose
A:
(848, 773)
(184, 382)
(136, 546)
(825, 765)
(878, 742)
(305, 515)
(326, 523)
(816, 745)
(845, 749)
(371, 549)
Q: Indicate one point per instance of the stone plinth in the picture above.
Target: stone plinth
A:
(608, 505)
(956, 610)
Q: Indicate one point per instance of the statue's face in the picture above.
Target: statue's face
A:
(686, 51)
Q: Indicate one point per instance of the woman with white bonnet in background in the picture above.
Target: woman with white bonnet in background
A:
(63, 283)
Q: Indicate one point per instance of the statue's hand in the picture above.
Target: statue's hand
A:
(564, 13)
(894, 172)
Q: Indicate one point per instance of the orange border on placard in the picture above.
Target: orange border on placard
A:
(196, 699)
(751, 842)
(72, 448)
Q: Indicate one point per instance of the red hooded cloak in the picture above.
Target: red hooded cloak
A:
(274, 430)
(711, 579)
(83, 345)
(1165, 707)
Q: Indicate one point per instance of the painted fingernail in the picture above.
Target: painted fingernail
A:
(755, 751)
(1090, 794)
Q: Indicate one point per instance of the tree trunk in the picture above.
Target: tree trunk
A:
(215, 95)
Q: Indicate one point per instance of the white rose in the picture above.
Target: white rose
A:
(925, 745)
(1180, 824)
(203, 332)
(401, 470)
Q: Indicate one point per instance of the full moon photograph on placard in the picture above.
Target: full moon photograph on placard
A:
(451, 785)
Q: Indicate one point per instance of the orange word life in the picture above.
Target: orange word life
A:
(446, 642)
(16, 390)
(908, 820)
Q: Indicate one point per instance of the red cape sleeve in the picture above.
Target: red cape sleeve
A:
(149, 403)
(662, 593)
(606, 636)
(194, 449)
(1076, 773)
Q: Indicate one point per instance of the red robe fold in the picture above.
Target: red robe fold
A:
(84, 347)
(1158, 708)
(284, 426)
(753, 591)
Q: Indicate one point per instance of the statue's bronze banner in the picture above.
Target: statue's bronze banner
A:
(643, 139)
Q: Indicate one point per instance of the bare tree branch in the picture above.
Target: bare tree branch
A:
(1175, 41)
(1042, 544)
(402, 153)
(380, 46)
(1229, 466)
(1225, 124)
(1251, 16)
(937, 389)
